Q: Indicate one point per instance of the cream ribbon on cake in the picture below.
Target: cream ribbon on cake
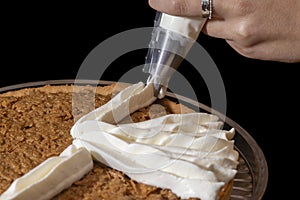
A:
(51, 176)
(187, 153)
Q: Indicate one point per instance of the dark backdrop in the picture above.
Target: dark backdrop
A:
(50, 41)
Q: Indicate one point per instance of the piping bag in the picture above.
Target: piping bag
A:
(171, 40)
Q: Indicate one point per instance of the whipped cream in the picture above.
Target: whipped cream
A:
(187, 153)
(51, 176)
(188, 26)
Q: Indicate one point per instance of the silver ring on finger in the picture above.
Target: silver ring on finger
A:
(206, 6)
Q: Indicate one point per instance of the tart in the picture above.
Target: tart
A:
(35, 125)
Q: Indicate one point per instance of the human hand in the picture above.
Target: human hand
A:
(266, 30)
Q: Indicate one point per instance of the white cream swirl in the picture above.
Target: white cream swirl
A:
(187, 153)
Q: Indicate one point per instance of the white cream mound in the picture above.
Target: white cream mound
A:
(187, 153)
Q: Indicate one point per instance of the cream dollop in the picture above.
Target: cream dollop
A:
(51, 176)
(187, 153)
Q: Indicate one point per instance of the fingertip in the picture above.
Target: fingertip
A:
(150, 2)
(154, 4)
(176, 7)
(161, 5)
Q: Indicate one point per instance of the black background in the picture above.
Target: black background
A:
(50, 41)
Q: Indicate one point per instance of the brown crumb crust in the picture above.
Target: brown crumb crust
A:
(35, 125)
(106, 183)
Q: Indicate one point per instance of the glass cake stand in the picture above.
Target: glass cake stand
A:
(252, 177)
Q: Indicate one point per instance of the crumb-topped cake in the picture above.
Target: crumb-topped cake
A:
(51, 149)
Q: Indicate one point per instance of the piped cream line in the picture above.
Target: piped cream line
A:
(52, 176)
